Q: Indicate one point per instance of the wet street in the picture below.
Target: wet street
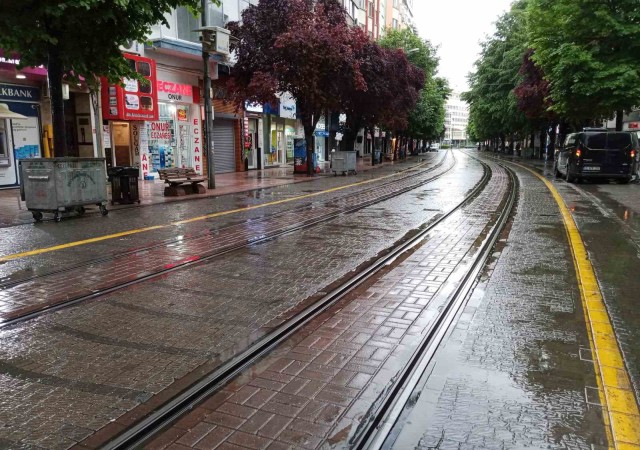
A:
(454, 300)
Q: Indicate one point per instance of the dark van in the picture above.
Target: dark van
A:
(598, 154)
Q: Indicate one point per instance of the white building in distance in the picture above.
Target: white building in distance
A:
(456, 120)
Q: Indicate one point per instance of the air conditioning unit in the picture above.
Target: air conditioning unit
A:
(132, 47)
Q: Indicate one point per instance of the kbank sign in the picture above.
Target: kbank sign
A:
(16, 93)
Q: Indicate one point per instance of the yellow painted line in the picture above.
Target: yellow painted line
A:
(614, 384)
(107, 237)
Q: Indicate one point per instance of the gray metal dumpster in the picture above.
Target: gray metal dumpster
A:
(57, 185)
(343, 162)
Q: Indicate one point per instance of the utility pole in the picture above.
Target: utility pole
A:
(208, 122)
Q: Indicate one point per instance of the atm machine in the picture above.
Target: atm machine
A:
(8, 170)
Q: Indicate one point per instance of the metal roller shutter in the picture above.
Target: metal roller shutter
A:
(224, 146)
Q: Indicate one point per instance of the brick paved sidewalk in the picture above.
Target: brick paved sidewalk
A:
(315, 389)
(516, 371)
(13, 210)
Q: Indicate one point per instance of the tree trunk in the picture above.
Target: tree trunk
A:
(543, 143)
(56, 71)
(373, 144)
(503, 143)
(309, 121)
(619, 119)
(552, 142)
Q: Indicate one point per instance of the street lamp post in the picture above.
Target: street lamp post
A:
(208, 142)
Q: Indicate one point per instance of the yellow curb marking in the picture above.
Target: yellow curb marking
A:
(614, 384)
(54, 248)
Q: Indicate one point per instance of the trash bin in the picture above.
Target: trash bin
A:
(124, 185)
(377, 157)
(343, 162)
(58, 185)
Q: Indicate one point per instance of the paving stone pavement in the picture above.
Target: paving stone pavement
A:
(78, 281)
(515, 371)
(34, 236)
(608, 217)
(316, 387)
(92, 365)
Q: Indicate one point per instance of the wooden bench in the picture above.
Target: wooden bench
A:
(182, 181)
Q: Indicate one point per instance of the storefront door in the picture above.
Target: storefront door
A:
(122, 144)
(253, 149)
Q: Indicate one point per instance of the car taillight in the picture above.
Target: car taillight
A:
(578, 153)
(632, 153)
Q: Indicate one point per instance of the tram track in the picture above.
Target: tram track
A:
(6, 282)
(338, 206)
(153, 424)
(375, 430)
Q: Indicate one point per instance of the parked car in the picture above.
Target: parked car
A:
(593, 154)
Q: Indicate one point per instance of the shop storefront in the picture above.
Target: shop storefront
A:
(19, 137)
(125, 109)
(283, 128)
(253, 135)
(320, 136)
(174, 139)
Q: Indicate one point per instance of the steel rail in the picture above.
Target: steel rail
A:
(406, 172)
(374, 432)
(47, 308)
(141, 432)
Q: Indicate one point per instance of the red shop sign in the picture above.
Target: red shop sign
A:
(135, 100)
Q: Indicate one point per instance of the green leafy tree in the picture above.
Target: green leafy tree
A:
(589, 52)
(426, 121)
(76, 38)
(494, 109)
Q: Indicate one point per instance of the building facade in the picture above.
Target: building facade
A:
(398, 14)
(456, 120)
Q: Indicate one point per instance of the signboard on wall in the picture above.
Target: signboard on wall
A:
(134, 100)
(176, 92)
(288, 108)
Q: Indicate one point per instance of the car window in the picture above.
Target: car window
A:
(618, 141)
(571, 140)
(598, 140)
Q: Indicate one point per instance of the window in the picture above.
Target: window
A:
(618, 141)
(371, 9)
(394, 24)
(598, 140)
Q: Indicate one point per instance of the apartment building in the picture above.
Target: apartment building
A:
(456, 120)
(398, 14)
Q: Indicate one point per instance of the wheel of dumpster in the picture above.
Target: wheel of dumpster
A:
(103, 210)
(37, 216)
(80, 210)
(57, 216)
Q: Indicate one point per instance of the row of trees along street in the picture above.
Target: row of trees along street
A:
(309, 50)
(303, 47)
(555, 64)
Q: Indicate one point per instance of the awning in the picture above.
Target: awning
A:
(6, 113)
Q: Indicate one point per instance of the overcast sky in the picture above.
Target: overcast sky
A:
(457, 26)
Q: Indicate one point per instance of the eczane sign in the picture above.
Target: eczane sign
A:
(176, 92)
